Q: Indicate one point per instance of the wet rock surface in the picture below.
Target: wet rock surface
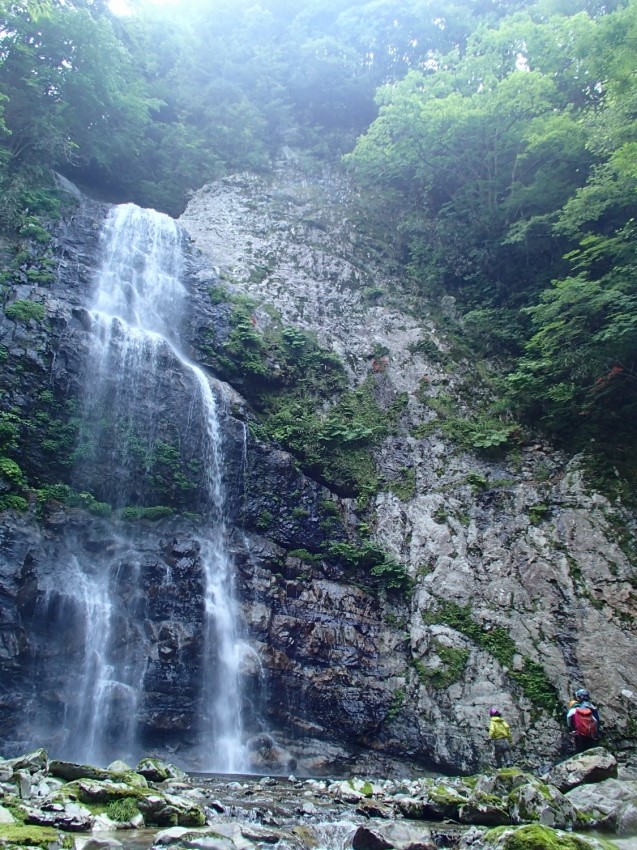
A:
(245, 812)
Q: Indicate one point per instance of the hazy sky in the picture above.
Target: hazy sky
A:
(122, 7)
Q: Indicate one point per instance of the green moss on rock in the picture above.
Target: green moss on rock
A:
(15, 835)
(537, 837)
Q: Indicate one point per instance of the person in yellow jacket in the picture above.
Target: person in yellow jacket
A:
(500, 734)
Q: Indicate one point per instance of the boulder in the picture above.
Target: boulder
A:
(119, 766)
(160, 810)
(531, 837)
(435, 800)
(69, 771)
(591, 766)
(34, 762)
(265, 756)
(155, 770)
(610, 804)
(485, 812)
(70, 818)
(396, 835)
(540, 803)
(204, 840)
(374, 809)
(101, 844)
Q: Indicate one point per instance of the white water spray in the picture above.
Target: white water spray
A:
(138, 307)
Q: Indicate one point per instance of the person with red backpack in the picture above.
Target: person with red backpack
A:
(582, 719)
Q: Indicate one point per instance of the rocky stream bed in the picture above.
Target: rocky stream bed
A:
(54, 804)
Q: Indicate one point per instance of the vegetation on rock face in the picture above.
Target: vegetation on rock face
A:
(496, 640)
(385, 570)
(24, 311)
(299, 392)
(451, 666)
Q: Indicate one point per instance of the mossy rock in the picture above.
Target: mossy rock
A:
(446, 796)
(14, 835)
(503, 782)
(96, 792)
(161, 811)
(542, 803)
(69, 771)
(156, 770)
(537, 837)
(485, 813)
(135, 780)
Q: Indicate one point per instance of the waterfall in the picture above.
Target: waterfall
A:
(138, 307)
(101, 718)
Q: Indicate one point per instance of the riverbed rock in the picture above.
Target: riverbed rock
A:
(99, 843)
(204, 840)
(530, 837)
(156, 770)
(593, 765)
(608, 804)
(6, 816)
(400, 836)
(536, 801)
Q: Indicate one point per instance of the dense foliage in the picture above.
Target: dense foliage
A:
(501, 136)
(513, 163)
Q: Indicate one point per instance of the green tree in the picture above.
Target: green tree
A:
(71, 97)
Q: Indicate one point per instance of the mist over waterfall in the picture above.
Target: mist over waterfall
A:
(130, 425)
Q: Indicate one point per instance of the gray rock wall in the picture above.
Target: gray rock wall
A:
(523, 543)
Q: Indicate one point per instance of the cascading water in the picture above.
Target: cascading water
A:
(138, 307)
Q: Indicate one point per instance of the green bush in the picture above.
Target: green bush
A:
(368, 556)
(123, 810)
(24, 311)
(397, 703)
(304, 555)
(31, 228)
(13, 502)
(11, 472)
(156, 512)
(68, 496)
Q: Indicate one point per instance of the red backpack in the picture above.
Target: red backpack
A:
(584, 723)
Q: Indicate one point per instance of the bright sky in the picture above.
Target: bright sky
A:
(122, 7)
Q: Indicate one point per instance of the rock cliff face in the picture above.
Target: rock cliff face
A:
(523, 585)
(521, 589)
(68, 565)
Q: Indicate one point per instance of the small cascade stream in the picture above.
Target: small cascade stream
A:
(138, 308)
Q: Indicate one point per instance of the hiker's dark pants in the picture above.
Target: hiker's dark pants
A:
(502, 750)
(582, 743)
